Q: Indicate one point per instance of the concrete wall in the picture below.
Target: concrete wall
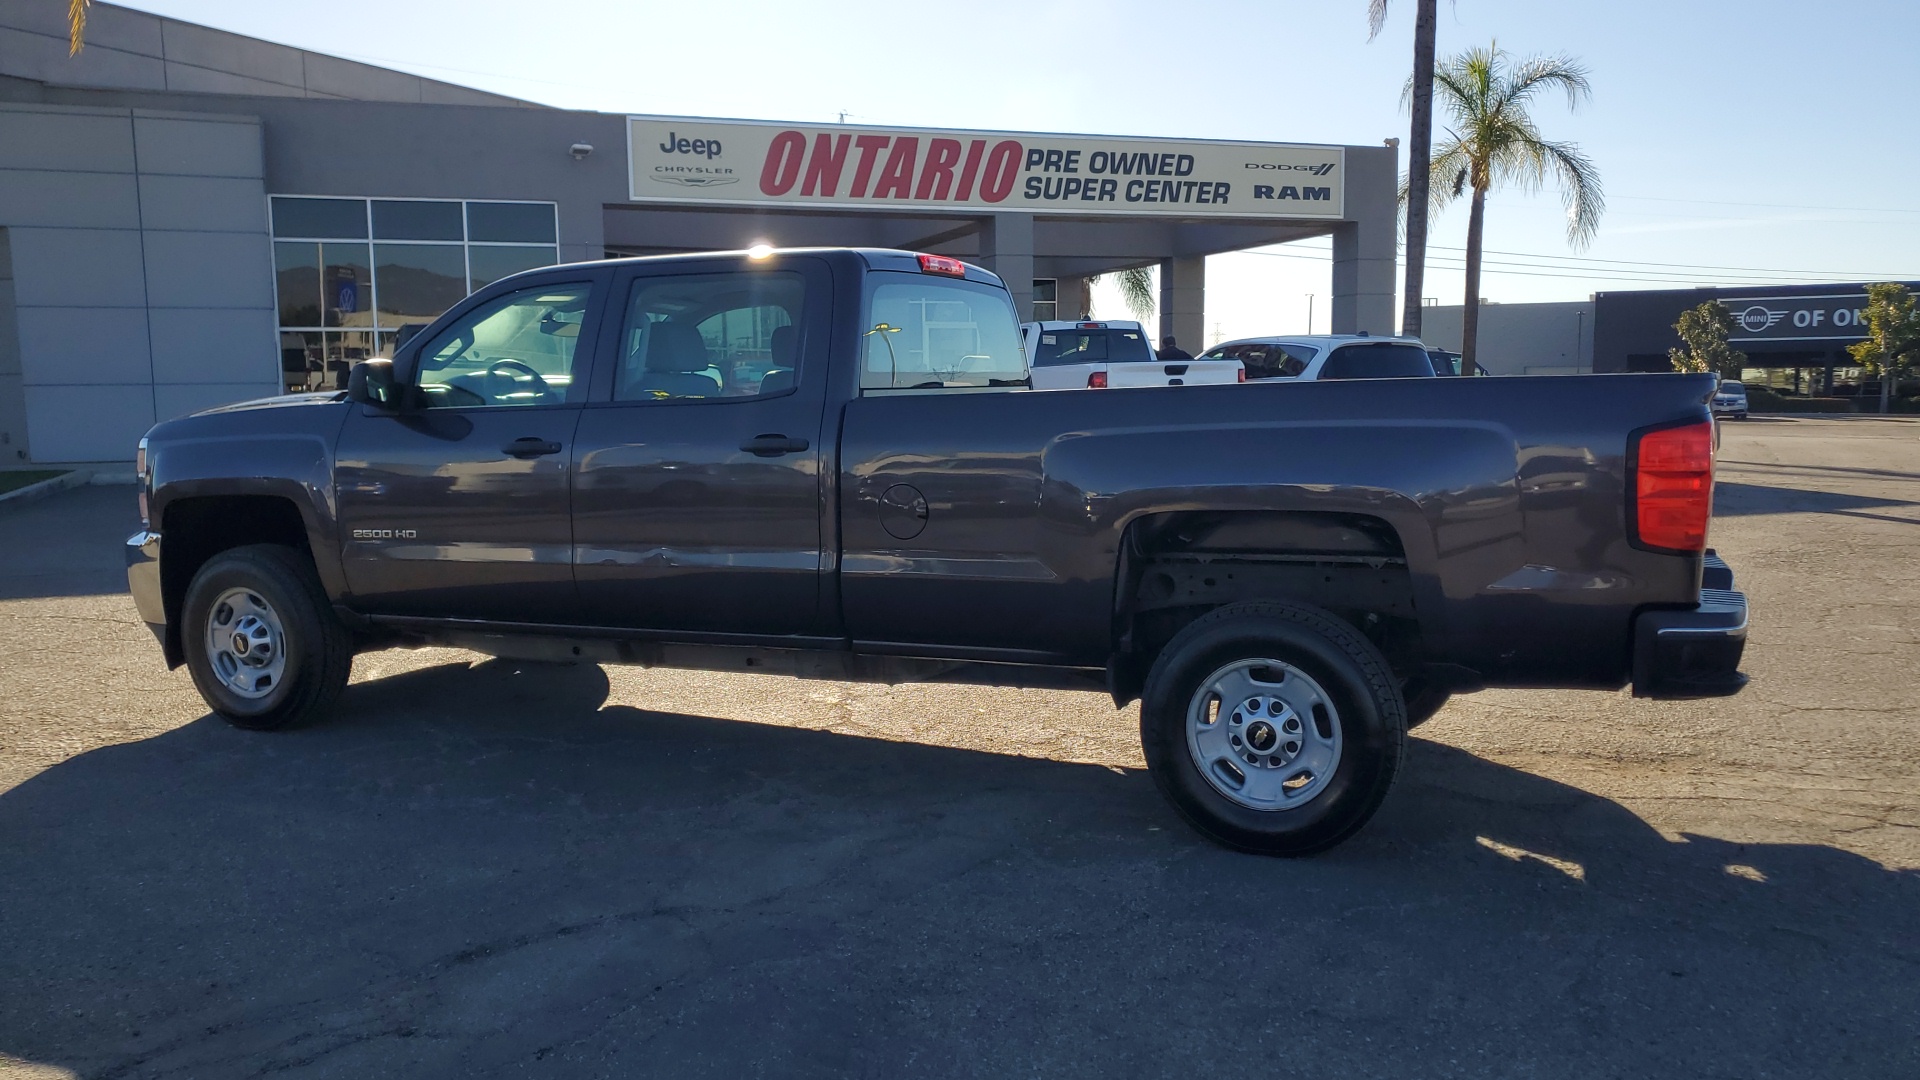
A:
(133, 50)
(142, 276)
(1521, 339)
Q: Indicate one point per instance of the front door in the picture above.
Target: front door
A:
(697, 491)
(457, 506)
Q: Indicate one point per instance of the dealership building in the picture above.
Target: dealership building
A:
(190, 217)
(1795, 336)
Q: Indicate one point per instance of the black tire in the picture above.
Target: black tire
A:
(1367, 708)
(1423, 700)
(318, 650)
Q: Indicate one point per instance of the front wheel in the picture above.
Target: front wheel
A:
(1273, 728)
(264, 649)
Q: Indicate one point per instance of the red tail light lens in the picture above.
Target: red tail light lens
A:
(940, 264)
(1097, 381)
(1673, 487)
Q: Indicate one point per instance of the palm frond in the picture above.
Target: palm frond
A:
(1136, 289)
(1539, 73)
(76, 25)
(1580, 191)
(1376, 18)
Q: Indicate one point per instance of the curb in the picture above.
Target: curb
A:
(34, 492)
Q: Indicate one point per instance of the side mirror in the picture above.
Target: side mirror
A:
(371, 383)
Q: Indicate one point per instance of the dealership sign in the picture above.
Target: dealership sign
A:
(743, 163)
(1830, 317)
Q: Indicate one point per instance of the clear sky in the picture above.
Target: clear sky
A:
(1739, 140)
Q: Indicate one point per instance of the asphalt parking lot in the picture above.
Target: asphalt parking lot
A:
(483, 869)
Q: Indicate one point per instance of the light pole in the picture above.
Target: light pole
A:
(1309, 313)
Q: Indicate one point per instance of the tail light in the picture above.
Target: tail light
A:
(941, 264)
(1097, 381)
(1672, 471)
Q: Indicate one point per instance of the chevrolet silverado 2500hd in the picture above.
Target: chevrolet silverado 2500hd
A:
(827, 463)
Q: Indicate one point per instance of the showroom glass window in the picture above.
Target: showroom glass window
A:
(349, 273)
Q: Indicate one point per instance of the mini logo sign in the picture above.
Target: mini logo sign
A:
(1756, 318)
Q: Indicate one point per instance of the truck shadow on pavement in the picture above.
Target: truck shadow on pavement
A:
(1746, 500)
(473, 871)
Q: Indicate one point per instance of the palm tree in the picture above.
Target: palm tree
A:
(1491, 140)
(76, 25)
(1419, 151)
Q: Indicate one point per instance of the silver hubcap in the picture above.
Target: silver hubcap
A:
(1264, 734)
(245, 645)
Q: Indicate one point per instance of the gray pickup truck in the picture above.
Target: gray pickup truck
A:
(829, 464)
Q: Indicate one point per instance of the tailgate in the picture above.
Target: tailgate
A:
(1174, 373)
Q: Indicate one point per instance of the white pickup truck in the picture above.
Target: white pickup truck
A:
(1100, 355)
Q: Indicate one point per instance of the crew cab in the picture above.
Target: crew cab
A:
(1311, 357)
(829, 464)
(1110, 355)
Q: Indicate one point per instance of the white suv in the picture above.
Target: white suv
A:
(1310, 357)
(1096, 355)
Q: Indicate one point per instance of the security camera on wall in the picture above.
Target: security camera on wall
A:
(580, 151)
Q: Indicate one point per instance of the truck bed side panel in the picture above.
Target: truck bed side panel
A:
(1510, 507)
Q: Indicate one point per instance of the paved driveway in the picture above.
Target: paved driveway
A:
(486, 869)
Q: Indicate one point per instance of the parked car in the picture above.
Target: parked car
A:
(1110, 354)
(1445, 362)
(1286, 575)
(1311, 358)
(1730, 400)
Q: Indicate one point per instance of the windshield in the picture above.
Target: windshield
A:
(929, 333)
(1379, 360)
(1734, 389)
(1109, 346)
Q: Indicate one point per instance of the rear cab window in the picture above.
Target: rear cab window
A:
(1378, 360)
(1091, 346)
(932, 333)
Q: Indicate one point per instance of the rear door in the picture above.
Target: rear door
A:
(697, 491)
(457, 507)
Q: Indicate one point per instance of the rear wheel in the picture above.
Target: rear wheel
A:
(263, 647)
(1273, 728)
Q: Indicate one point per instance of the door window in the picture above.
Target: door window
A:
(1266, 359)
(702, 337)
(517, 349)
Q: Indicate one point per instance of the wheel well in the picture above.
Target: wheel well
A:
(1176, 567)
(194, 530)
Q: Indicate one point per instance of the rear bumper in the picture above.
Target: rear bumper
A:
(1693, 652)
(143, 581)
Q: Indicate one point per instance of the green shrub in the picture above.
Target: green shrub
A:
(1761, 399)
